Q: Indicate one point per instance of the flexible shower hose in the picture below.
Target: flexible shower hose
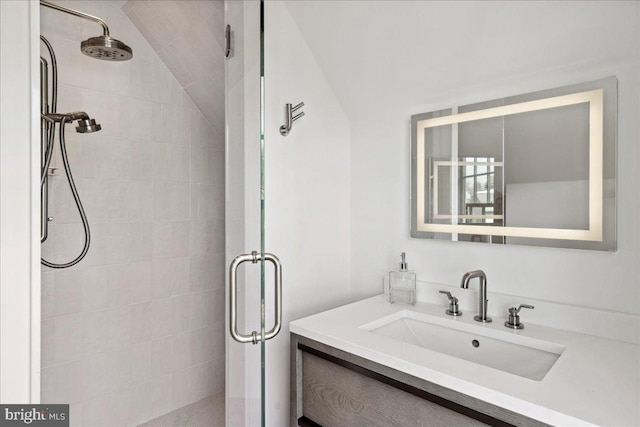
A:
(74, 191)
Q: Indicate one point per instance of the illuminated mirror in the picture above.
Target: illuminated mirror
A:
(536, 169)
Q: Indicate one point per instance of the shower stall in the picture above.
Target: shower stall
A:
(134, 330)
(132, 223)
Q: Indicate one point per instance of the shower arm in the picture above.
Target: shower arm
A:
(69, 117)
(78, 14)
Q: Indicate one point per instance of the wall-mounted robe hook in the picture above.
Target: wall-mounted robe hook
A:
(290, 118)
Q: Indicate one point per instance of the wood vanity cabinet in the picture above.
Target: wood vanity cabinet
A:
(332, 388)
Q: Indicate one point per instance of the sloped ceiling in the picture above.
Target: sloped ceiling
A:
(393, 54)
(397, 54)
(189, 37)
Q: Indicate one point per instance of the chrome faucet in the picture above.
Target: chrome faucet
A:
(482, 297)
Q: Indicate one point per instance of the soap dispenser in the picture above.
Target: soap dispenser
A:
(402, 284)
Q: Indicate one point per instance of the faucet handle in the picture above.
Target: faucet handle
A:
(451, 297)
(514, 310)
(514, 318)
(453, 304)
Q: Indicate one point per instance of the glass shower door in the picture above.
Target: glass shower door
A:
(253, 316)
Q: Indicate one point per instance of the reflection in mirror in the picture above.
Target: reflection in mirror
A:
(534, 169)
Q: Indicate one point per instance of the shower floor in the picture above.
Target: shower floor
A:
(208, 412)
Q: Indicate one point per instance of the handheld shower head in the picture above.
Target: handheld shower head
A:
(87, 126)
(106, 48)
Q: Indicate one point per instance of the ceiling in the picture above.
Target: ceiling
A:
(396, 54)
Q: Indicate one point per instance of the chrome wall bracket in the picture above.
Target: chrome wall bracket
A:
(290, 118)
(254, 337)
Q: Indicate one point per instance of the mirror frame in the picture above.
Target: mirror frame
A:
(601, 96)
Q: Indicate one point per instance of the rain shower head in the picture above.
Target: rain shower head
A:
(106, 48)
(102, 47)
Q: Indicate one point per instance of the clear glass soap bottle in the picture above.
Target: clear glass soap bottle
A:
(402, 284)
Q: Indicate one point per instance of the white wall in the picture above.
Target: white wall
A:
(380, 153)
(135, 330)
(19, 250)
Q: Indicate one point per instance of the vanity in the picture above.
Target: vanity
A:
(372, 363)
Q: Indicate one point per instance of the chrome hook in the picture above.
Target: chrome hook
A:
(290, 118)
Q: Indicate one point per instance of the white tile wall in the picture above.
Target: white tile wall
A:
(136, 329)
(189, 37)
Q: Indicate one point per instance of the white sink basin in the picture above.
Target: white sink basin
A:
(507, 351)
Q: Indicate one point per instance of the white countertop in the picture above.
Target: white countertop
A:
(596, 381)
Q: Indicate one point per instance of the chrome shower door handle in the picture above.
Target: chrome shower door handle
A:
(254, 337)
